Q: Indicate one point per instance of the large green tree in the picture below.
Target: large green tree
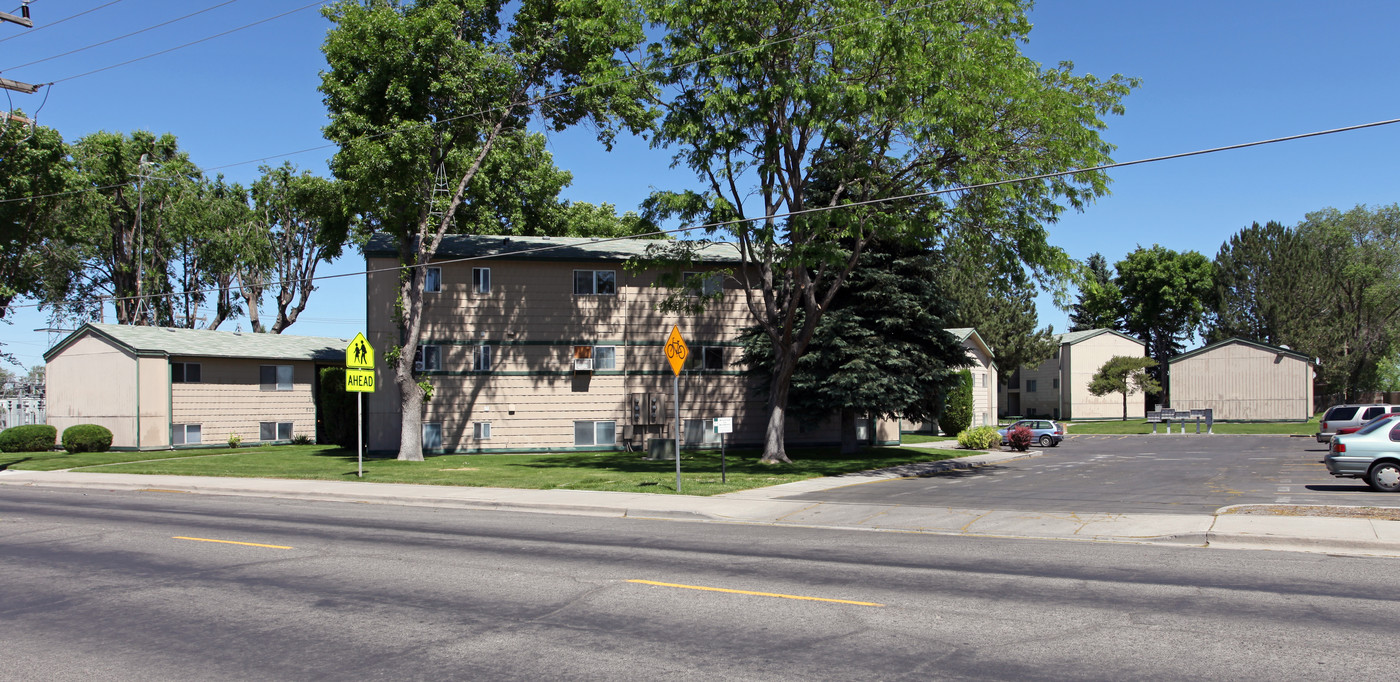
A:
(34, 166)
(422, 93)
(1267, 278)
(1100, 302)
(878, 99)
(1124, 374)
(1166, 297)
(999, 302)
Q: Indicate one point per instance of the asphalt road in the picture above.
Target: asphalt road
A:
(148, 586)
(1133, 474)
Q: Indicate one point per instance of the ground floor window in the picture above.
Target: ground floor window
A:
(595, 433)
(432, 435)
(274, 430)
(185, 434)
(699, 432)
(481, 430)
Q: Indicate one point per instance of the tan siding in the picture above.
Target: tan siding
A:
(1085, 360)
(1243, 382)
(93, 382)
(229, 400)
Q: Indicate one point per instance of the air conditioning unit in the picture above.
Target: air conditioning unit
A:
(583, 364)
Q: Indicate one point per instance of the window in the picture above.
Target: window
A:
(274, 430)
(595, 282)
(184, 434)
(184, 372)
(708, 283)
(432, 281)
(982, 379)
(481, 430)
(427, 358)
(481, 280)
(604, 357)
(481, 359)
(1055, 383)
(707, 357)
(275, 377)
(432, 435)
(1030, 385)
(595, 433)
(699, 431)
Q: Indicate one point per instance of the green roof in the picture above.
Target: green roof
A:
(210, 344)
(547, 248)
(1245, 342)
(1085, 335)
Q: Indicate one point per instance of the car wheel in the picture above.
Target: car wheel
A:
(1385, 477)
(1046, 441)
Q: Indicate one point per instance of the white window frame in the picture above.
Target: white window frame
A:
(184, 377)
(481, 280)
(185, 431)
(594, 280)
(594, 429)
(432, 281)
(712, 282)
(704, 427)
(278, 433)
(481, 359)
(427, 358)
(434, 442)
(283, 378)
(604, 357)
(481, 430)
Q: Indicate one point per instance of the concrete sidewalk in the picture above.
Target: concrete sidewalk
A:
(766, 506)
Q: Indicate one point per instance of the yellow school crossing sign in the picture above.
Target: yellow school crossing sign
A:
(359, 366)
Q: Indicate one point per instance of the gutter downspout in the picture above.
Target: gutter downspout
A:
(137, 356)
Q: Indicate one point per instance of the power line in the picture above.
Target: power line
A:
(789, 214)
(55, 23)
(122, 37)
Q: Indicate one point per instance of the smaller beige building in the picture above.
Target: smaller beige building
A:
(156, 388)
(984, 379)
(1243, 381)
(1059, 387)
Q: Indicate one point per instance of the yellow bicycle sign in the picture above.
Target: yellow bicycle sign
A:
(676, 350)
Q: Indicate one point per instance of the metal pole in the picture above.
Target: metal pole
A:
(723, 471)
(360, 431)
(678, 432)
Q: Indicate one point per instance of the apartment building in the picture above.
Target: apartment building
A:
(1059, 387)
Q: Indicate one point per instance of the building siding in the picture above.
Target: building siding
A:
(229, 400)
(1243, 382)
(94, 382)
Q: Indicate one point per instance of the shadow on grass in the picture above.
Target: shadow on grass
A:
(814, 461)
(8, 464)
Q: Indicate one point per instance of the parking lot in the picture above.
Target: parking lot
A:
(1177, 474)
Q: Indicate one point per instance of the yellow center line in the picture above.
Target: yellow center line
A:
(231, 542)
(756, 594)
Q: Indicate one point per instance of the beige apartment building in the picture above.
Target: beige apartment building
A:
(541, 344)
(985, 381)
(1059, 387)
(1244, 380)
(157, 388)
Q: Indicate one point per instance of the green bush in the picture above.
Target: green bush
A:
(957, 412)
(30, 438)
(87, 438)
(980, 438)
(302, 439)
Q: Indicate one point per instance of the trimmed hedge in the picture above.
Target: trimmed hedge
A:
(957, 412)
(87, 438)
(29, 438)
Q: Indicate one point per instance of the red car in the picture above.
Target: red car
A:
(1377, 418)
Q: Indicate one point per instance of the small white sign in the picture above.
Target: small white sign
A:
(724, 425)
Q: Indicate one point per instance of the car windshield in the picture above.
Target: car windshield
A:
(1376, 424)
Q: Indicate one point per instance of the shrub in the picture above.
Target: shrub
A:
(29, 438)
(980, 438)
(1020, 438)
(87, 438)
(957, 412)
(234, 440)
(301, 439)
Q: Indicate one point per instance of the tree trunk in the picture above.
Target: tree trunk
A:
(774, 451)
(410, 409)
(1125, 406)
(849, 444)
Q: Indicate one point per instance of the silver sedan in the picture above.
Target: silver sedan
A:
(1371, 454)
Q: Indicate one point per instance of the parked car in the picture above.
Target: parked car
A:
(1043, 431)
(1371, 454)
(1353, 429)
(1343, 416)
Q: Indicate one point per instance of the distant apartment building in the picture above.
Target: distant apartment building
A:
(1059, 387)
(1241, 380)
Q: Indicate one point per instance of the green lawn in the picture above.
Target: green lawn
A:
(1140, 426)
(51, 461)
(617, 471)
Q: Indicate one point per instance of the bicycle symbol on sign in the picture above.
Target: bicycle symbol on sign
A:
(675, 349)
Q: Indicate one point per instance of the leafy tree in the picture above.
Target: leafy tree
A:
(1266, 283)
(1100, 301)
(430, 89)
(1124, 374)
(957, 413)
(300, 222)
(1388, 374)
(882, 350)
(1166, 296)
(1000, 305)
(877, 99)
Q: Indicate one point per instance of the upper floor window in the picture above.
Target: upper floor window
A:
(432, 284)
(184, 372)
(481, 359)
(1030, 385)
(427, 358)
(481, 280)
(706, 357)
(705, 283)
(595, 282)
(275, 377)
(604, 357)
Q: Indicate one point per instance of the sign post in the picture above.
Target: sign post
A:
(359, 379)
(676, 353)
(723, 425)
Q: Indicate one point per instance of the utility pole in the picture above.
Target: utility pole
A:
(25, 21)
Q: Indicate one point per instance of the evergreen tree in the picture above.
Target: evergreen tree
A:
(957, 414)
(1100, 301)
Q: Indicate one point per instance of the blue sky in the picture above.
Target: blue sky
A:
(1213, 73)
